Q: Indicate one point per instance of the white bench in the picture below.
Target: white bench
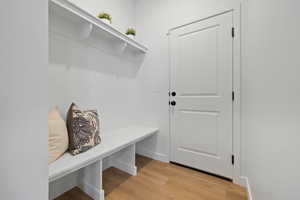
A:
(117, 149)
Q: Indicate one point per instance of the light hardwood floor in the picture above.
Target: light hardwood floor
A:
(162, 181)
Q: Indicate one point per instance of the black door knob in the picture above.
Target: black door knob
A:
(173, 103)
(173, 94)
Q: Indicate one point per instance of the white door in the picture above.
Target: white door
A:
(201, 77)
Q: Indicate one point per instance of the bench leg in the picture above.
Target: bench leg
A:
(60, 186)
(90, 180)
(125, 160)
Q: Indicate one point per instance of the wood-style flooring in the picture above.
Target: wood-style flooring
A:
(162, 181)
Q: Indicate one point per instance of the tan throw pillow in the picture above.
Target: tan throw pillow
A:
(58, 140)
(83, 129)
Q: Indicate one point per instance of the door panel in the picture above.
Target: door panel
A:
(201, 75)
(204, 132)
(193, 78)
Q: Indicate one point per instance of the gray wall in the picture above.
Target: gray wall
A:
(23, 97)
(271, 98)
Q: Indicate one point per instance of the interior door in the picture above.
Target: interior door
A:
(201, 94)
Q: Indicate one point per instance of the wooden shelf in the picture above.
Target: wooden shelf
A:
(72, 12)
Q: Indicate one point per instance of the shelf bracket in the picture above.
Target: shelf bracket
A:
(87, 22)
(85, 31)
(124, 46)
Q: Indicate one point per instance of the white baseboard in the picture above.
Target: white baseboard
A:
(132, 170)
(246, 183)
(95, 193)
(153, 155)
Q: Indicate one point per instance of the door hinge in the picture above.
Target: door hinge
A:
(232, 32)
(232, 159)
(232, 95)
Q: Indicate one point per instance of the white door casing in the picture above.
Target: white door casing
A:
(201, 75)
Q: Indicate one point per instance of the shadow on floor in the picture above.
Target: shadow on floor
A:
(113, 178)
(142, 162)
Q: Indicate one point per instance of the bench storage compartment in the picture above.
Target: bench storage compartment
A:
(117, 149)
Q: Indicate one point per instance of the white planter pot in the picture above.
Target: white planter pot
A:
(131, 36)
(106, 21)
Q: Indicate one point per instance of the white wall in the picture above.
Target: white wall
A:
(93, 73)
(271, 99)
(122, 11)
(153, 79)
(23, 86)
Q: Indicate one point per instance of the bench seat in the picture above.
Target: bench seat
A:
(111, 143)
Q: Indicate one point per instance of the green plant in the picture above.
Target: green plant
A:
(105, 16)
(131, 31)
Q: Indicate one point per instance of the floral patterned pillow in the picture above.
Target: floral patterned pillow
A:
(83, 129)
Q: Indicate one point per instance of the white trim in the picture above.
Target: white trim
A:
(202, 19)
(245, 181)
(153, 155)
(236, 148)
(242, 181)
(95, 193)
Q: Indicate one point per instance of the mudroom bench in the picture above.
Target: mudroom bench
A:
(117, 149)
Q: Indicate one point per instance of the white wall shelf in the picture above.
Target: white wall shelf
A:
(91, 23)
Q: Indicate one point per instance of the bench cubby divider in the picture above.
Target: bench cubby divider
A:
(117, 149)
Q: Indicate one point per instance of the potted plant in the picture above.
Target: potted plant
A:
(105, 17)
(131, 33)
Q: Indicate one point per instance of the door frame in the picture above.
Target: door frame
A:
(236, 84)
